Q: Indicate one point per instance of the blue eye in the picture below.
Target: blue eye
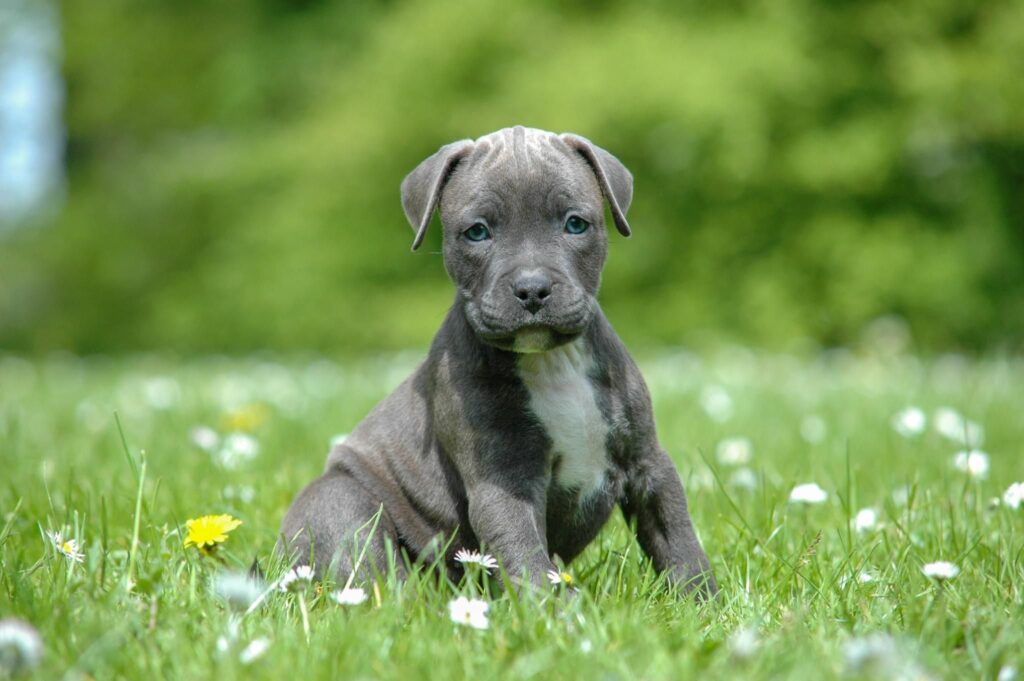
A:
(478, 232)
(576, 225)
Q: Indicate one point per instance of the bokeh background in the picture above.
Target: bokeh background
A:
(201, 177)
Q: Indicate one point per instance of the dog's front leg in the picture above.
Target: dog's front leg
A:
(655, 499)
(508, 520)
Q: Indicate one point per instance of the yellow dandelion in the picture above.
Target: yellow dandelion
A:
(246, 419)
(209, 530)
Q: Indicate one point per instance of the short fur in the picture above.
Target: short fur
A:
(528, 422)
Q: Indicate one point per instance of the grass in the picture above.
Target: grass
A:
(792, 604)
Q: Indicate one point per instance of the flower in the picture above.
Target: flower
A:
(69, 548)
(808, 493)
(469, 612)
(209, 530)
(744, 642)
(236, 450)
(950, 424)
(974, 462)
(909, 422)
(238, 589)
(813, 429)
(254, 650)
(21, 648)
(734, 451)
(716, 403)
(875, 655)
(247, 418)
(866, 519)
(940, 570)
(204, 438)
(476, 558)
(296, 579)
(744, 478)
(1007, 673)
(1014, 495)
(349, 596)
(558, 578)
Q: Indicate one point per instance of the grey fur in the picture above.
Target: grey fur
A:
(465, 449)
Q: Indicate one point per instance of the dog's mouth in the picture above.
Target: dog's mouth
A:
(530, 339)
(514, 329)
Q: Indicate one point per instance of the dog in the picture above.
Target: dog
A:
(529, 422)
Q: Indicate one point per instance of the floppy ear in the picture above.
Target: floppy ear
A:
(421, 188)
(615, 181)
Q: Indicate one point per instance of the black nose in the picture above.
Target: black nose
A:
(532, 289)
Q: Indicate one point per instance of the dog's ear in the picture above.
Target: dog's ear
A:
(615, 181)
(421, 189)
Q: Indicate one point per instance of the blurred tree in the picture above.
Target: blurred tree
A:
(801, 168)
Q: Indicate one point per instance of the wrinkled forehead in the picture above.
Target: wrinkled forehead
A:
(516, 169)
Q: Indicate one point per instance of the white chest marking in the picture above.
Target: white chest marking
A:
(562, 397)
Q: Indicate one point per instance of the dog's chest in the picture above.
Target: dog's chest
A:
(563, 399)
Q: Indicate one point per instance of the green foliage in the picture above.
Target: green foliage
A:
(790, 573)
(801, 168)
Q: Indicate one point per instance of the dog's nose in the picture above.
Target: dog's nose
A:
(532, 289)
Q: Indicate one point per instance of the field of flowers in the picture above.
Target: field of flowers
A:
(862, 511)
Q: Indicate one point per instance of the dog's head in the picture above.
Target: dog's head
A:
(524, 236)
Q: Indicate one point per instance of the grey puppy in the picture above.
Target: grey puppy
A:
(528, 422)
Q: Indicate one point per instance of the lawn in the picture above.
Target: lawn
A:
(808, 590)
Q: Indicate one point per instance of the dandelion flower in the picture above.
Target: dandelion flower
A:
(254, 650)
(559, 578)
(350, 596)
(68, 548)
(476, 558)
(940, 570)
(909, 422)
(238, 589)
(1014, 495)
(973, 462)
(21, 648)
(296, 579)
(245, 419)
(209, 530)
(808, 493)
(469, 612)
(734, 451)
(866, 519)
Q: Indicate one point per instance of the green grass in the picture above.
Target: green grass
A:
(786, 571)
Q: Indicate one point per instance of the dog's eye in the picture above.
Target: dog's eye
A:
(478, 232)
(576, 225)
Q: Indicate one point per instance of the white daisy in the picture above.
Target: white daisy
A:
(744, 643)
(476, 558)
(909, 422)
(808, 493)
(1007, 673)
(559, 578)
(743, 478)
(237, 448)
(813, 429)
(21, 648)
(297, 579)
(469, 612)
(350, 596)
(204, 438)
(940, 570)
(734, 451)
(950, 424)
(973, 462)
(865, 520)
(68, 548)
(254, 650)
(239, 590)
(716, 403)
(1014, 495)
